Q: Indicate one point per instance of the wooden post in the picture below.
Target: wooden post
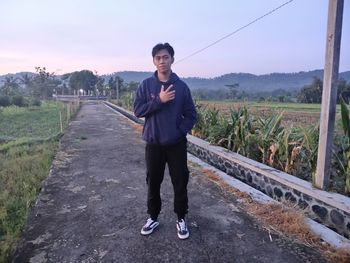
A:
(329, 95)
(68, 112)
(61, 124)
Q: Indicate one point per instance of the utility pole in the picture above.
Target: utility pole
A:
(329, 94)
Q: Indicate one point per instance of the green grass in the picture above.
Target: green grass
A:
(28, 143)
(32, 122)
(22, 169)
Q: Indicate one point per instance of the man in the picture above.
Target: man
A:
(166, 103)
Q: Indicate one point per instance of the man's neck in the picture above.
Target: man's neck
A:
(164, 77)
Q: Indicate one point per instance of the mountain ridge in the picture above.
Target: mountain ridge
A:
(247, 81)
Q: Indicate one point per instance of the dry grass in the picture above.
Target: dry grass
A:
(284, 219)
(137, 127)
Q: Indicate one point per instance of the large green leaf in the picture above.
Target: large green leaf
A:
(345, 117)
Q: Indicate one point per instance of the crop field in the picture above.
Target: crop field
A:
(294, 114)
(283, 136)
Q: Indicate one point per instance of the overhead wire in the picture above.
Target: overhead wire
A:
(232, 33)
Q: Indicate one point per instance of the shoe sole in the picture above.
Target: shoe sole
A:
(183, 237)
(146, 233)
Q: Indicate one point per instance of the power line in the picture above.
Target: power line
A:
(234, 32)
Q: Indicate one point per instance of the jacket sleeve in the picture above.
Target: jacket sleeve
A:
(142, 107)
(189, 114)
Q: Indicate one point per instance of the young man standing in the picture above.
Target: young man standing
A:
(165, 102)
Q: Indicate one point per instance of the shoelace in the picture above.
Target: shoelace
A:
(182, 225)
(149, 222)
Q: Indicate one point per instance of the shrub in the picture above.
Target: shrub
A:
(18, 101)
(5, 101)
(34, 102)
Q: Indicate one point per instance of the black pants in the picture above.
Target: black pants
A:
(176, 158)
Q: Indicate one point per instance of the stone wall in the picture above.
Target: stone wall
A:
(330, 209)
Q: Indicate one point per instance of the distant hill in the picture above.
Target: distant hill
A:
(247, 82)
(129, 76)
(16, 75)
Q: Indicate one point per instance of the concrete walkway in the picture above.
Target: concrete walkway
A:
(92, 207)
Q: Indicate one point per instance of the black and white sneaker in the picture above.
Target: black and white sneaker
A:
(148, 228)
(182, 230)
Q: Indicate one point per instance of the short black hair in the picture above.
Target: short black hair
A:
(161, 46)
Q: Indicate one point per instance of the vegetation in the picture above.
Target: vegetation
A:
(30, 127)
(22, 169)
(313, 93)
(345, 146)
(293, 150)
(43, 84)
(28, 142)
(28, 91)
(36, 122)
(233, 93)
(126, 95)
(83, 80)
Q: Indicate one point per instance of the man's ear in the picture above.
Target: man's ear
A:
(172, 60)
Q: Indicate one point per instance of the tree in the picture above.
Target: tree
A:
(343, 89)
(311, 93)
(114, 83)
(43, 84)
(27, 82)
(100, 84)
(83, 80)
(233, 90)
(132, 86)
(10, 87)
(200, 94)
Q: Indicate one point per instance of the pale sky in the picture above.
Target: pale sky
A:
(116, 35)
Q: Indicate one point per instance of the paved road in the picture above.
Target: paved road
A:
(92, 207)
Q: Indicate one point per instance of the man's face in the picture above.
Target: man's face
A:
(163, 60)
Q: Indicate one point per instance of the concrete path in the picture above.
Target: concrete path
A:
(92, 207)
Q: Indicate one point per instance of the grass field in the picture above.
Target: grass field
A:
(22, 169)
(28, 143)
(32, 122)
